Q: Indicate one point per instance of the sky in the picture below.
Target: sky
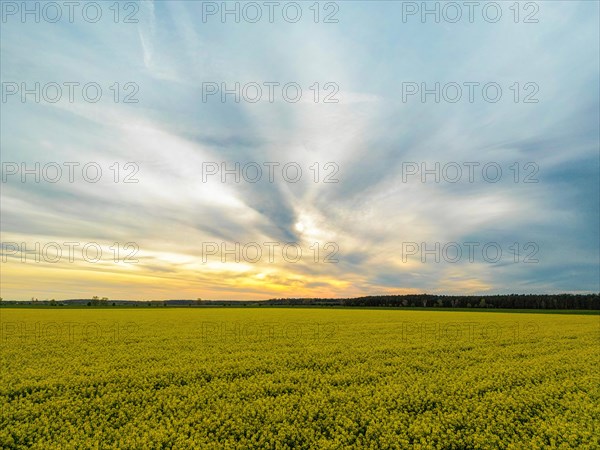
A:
(376, 176)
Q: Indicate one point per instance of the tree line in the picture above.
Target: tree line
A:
(509, 301)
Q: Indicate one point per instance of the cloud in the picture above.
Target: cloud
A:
(363, 141)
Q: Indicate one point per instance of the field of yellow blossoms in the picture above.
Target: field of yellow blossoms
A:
(292, 378)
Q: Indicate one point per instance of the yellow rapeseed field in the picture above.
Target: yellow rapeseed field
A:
(287, 378)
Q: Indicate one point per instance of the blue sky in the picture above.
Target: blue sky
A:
(369, 135)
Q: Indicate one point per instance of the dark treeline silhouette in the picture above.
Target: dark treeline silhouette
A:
(510, 301)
